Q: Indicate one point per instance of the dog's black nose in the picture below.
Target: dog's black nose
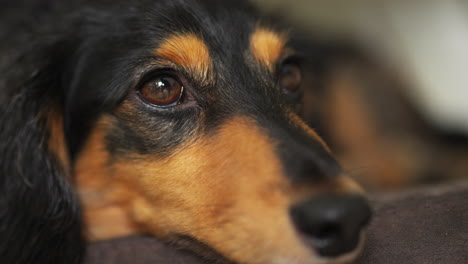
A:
(332, 224)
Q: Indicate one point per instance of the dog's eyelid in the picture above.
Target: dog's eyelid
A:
(153, 71)
(159, 63)
(290, 56)
(166, 66)
(293, 58)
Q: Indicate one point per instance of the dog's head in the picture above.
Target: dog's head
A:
(179, 118)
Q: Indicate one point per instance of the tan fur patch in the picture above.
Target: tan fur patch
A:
(105, 198)
(57, 144)
(226, 189)
(300, 123)
(267, 47)
(347, 185)
(190, 52)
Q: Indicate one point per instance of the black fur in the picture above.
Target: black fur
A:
(39, 213)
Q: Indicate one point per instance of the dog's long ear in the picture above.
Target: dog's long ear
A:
(39, 213)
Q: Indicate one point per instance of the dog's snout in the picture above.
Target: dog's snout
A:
(332, 224)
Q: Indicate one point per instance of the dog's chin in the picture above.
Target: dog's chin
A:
(207, 253)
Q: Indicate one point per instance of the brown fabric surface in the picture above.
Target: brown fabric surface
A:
(137, 250)
(423, 226)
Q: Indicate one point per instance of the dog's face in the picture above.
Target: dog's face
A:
(181, 121)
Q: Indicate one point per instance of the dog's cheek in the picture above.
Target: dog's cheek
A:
(226, 190)
(105, 197)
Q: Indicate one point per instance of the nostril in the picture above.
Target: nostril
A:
(332, 224)
(328, 230)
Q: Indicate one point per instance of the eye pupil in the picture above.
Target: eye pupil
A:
(290, 78)
(165, 82)
(161, 83)
(163, 91)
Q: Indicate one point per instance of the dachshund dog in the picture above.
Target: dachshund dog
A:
(175, 118)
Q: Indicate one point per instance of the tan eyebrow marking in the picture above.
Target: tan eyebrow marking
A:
(267, 46)
(189, 52)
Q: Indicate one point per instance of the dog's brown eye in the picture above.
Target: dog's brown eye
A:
(163, 91)
(290, 78)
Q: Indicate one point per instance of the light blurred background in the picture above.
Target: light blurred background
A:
(426, 41)
(422, 46)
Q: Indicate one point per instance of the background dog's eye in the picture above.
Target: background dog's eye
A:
(163, 91)
(290, 78)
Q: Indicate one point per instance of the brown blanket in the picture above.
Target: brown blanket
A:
(428, 226)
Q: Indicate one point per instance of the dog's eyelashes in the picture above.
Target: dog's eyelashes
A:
(163, 91)
(290, 78)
